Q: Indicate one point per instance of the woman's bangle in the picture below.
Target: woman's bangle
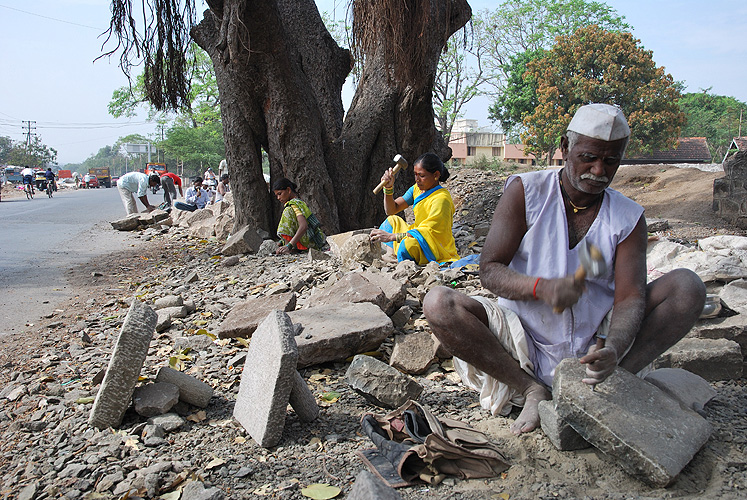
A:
(388, 191)
(400, 236)
(534, 289)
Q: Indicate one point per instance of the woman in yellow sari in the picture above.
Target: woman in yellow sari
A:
(430, 238)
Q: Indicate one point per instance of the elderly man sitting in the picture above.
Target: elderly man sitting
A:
(508, 349)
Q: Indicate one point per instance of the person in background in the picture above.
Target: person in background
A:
(49, 175)
(177, 182)
(222, 188)
(209, 176)
(296, 229)
(28, 177)
(169, 191)
(196, 197)
(136, 183)
(430, 238)
(86, 180)
(208, 188)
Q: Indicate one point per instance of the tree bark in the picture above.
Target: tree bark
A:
(280, 76)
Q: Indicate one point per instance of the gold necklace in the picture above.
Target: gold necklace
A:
(575, 207)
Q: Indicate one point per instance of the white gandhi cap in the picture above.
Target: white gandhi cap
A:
(600, 121)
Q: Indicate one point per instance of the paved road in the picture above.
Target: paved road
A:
(41, 239)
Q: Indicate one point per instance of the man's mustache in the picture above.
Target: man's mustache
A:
(594, 178)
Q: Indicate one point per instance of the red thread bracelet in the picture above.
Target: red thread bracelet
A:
(534, 289)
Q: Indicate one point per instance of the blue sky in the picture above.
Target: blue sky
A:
(49, 75)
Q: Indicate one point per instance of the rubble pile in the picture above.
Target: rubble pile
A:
(360, 344)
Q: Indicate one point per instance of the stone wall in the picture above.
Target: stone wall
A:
(730, 191)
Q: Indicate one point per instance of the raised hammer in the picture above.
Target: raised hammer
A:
(592, 264)
(400, 163)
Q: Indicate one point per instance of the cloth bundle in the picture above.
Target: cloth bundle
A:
(418, 446)
(314, 231)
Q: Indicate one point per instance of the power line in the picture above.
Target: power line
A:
(52, 18)
(73, 126)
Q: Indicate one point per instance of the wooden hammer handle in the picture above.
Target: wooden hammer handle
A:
(396, 169)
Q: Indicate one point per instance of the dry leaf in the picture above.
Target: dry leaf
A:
(239, 440)
(174, 495)
(264, 491)
(216, 462)
(319, 491)
(197, 417)
(85, 401)
(132, 443)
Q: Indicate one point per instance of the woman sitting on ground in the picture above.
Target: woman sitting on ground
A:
(298, 227)
(430, 238)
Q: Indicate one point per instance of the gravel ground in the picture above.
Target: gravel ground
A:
(49, 379)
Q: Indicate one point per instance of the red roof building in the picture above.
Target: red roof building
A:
(687, 150)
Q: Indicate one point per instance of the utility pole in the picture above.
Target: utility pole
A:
(28, 129)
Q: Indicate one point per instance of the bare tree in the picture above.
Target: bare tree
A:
(280, 77)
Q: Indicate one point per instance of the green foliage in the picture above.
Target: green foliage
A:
(6, 146)
(518, 26)
(495, 164)
(714, 117)
(520, 96)
(596, 65)
(194, 136)
(196, 146)
(35, 154)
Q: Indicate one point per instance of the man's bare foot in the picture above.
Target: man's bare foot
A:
(528, 419)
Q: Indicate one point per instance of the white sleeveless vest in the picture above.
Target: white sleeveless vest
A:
(544, 253)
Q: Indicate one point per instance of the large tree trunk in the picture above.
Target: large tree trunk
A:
(280, 84)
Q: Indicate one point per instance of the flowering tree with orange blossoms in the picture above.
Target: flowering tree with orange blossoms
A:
(596, 65)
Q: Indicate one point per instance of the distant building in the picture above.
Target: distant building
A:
(737, 144)
(468, 142)
(687, 150)
(516, 154)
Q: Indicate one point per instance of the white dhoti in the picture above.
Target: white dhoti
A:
(506, 326)
(496, 396)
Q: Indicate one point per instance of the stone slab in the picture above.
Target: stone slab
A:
(634, 423)
(394, 290)
(359, 249)
(691, 390)
(168, 301)
(191, 390)
(123, 371)
(155, 399)
(126, 224)
(352, 287)
(243, 318)
(413, 352)
(379, 383)
(731, 328)
(336, 241)
(302, 400)
(558, 431)
(712, 359)
(245, 240)
(267, 379)
(338, 331)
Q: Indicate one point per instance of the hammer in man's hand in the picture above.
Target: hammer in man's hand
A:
(400, 163)
(592, 265)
